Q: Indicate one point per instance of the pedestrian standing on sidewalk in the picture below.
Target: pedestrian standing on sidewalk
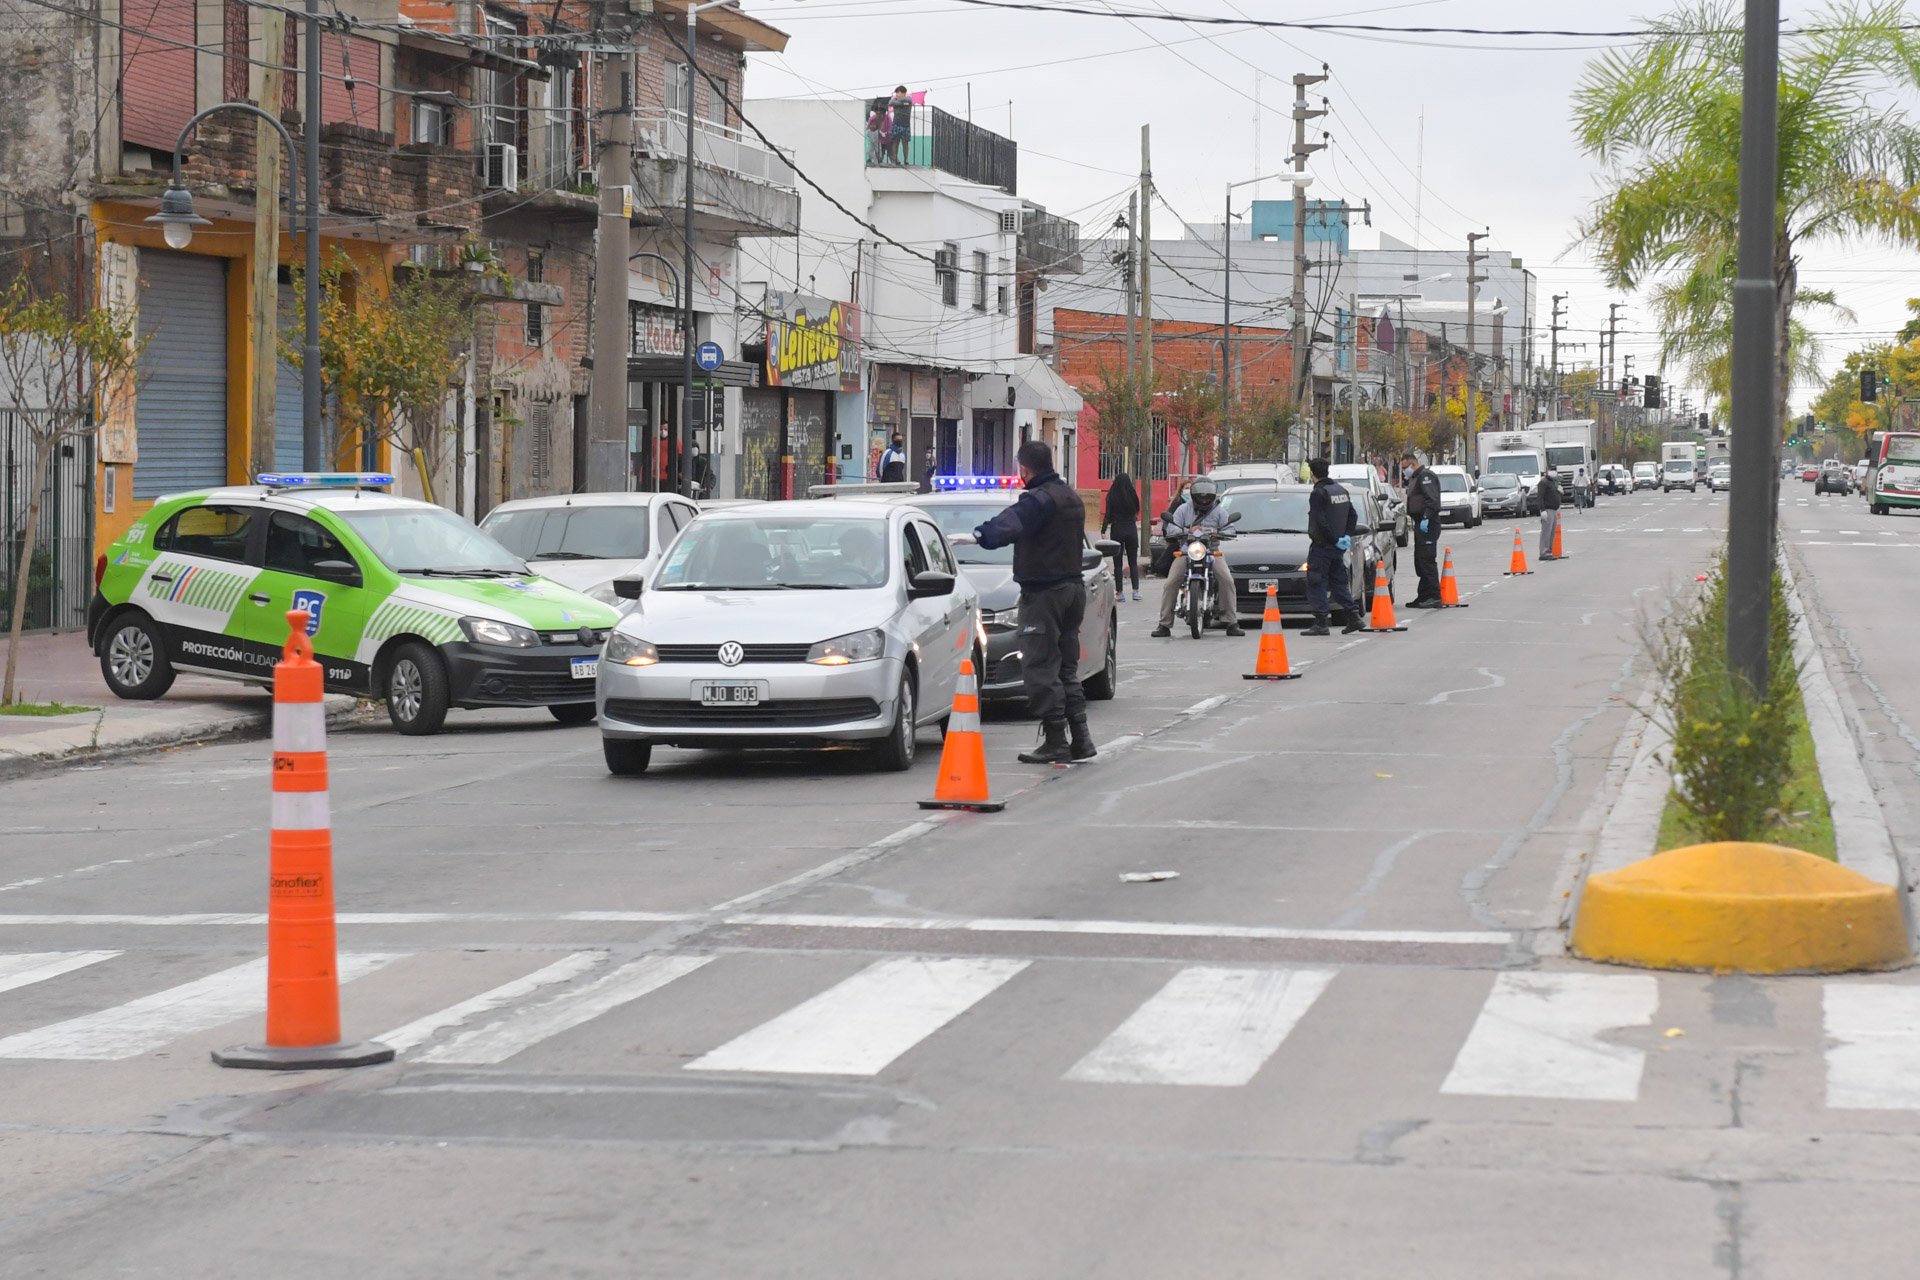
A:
(1549, 514)
(1423, 512)
(1047, 529)
(1120, 520)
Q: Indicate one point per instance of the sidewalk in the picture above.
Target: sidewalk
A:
(60, 668)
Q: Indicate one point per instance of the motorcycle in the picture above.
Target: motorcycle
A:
(1196, 602)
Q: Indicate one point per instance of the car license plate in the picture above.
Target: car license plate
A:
(729, 694)
(586, 668)
(1258, 586)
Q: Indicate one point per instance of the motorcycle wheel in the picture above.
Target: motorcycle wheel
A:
(1196, 608)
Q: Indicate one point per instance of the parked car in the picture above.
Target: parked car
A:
(1459, 496)
(1384, 494)
(587, 541)
(1646, 475)
(1270, 547)
(1615, 478)
(1720, 477)
(1502, 495)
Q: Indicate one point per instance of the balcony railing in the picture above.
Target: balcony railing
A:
(1048, 243)
(663, 134)
(946, 142)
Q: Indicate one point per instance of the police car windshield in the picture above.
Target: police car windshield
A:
(572, 533)
(954, 518)
(1268, 512)
(430, 540)
(773, 553)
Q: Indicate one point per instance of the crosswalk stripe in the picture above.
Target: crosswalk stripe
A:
(1207, 1026)
(859, 1026)
(1537, 1036)
(523, 1028)
(1874, 1060)
(140, 1026)
(29, 967)
(420, 1030)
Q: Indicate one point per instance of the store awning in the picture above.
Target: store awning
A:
(1033, 384)
(731, 373)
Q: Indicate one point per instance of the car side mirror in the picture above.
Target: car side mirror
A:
(1234, 518)
(628, 588)
(344, 572)
(930, 582)
(1090, 559)
(1107, 547)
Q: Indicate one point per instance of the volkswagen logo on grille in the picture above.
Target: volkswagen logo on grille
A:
(731, 653)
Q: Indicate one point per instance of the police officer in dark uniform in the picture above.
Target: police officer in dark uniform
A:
(1047, 528)
(1331, 521)
(1423, 513)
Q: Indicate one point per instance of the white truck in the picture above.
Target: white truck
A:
(1573, 452)
(1677, 466)
(1516, 452)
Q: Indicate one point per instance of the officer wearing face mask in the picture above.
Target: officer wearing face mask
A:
(1423, 512)
(1331, 524)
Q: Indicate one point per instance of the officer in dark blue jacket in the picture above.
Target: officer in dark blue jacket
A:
(1331, 522)
(1047, 528)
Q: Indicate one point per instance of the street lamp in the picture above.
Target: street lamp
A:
(683, 474)
(1301, 179)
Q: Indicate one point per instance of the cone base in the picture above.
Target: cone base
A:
(1373, 630)
(319, 1057)
(1284, 675)
(1518, 573)
(977, 806)
(1455, 605)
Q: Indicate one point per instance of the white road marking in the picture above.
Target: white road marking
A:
(1128, 928)
(1444, 694)
(1205, 1027)
(140, 1026)
(420, 1030)
(523, 1028)
(859, 1026)
(367, 917)
(1873, 1062)
(1538, 1036)
(27, 968)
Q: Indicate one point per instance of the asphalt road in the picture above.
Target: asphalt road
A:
(764, 1017)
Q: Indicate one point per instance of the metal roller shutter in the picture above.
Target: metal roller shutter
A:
(181, 407)
(158, 61)
(289, 406)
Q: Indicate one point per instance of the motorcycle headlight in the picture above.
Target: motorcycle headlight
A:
(857, 646)
(1196, 550)
(504, 634)
(630, 651)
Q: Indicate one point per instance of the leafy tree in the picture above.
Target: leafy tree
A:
(1191, 406)
(1664, 117)
(1265, 425)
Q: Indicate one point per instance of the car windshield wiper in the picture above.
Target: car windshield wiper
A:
(464, 573)
(567, 555)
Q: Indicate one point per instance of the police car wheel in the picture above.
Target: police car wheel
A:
(416, 689)
(626, 759)
(894, 753)
(134, 659)
(572, 712)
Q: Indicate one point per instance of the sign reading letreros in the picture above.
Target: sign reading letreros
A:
(812, 343)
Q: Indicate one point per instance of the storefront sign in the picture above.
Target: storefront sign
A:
(812, 343)
(656, 330)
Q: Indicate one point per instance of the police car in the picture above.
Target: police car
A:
(405, 601)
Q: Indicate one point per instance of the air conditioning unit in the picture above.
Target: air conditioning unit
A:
(1009, 222)
(503, 167)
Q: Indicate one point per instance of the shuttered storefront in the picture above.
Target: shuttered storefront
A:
(180, 411)
(289, 403)
(158, 94)
(807, 438)
(760, 443)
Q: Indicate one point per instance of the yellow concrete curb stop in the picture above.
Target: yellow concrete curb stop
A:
(1754, 908)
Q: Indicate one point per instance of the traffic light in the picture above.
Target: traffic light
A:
(1869, 386)
(1706, 421)
(1806, 424)
(1652, 400)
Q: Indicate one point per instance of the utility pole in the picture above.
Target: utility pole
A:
(1145, 386)
(1553, 410)
(1474, 257)
(1301, 150)
(266, 243)
(1133, 301)
(608, 469)
(312, 442)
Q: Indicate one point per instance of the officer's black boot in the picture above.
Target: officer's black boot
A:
(1082, 747)
(1319, 627)
(1052, 750)
(1353, 622)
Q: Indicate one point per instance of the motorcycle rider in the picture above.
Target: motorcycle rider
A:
(1201, 514)
(1331, 523)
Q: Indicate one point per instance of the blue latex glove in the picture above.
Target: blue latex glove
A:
(1344, 544)
(1423, 526)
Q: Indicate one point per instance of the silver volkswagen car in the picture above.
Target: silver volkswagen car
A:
(790, 624)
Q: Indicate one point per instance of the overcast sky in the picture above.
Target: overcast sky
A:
(1496, 152)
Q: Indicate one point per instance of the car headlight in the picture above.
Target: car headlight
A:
(630, 651)
(856, 646)
(504, 634)
(1303, 566)
(1000, 617)
(604, 593)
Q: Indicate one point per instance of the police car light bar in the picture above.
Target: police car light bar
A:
(976, 482)
(328, 480)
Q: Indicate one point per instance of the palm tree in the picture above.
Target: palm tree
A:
(1664, 118)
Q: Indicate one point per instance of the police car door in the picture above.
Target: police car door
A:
(194, 588)
(304, 566)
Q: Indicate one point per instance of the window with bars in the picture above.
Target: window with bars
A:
(979, 280)
(1112, 456)
(536, 315)
(946, 271)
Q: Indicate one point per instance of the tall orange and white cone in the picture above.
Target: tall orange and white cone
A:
(1449, 586)
(1518, 565)
(1272, 662)
(303, 979)
(1382, 602)
(963, 756)
(1558, 554)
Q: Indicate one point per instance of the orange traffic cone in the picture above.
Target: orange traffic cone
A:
(1382, 602)
(1272, 662)
(303, 980)
(1558, 554)
(963, 756)
(1519, 565)
(1449, 588)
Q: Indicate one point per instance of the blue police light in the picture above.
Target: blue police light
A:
(328, 480)
(975, 482)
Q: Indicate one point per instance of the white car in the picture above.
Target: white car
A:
(790, 624)
(1459, 496)
(588, 541)
(1646, 475)
(1384, 497)
(1720, 476)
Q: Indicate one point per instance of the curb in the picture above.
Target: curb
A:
(97, 741)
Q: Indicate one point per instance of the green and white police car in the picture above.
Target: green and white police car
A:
(406, 601)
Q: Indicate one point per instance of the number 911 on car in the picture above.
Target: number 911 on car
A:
(790, 624)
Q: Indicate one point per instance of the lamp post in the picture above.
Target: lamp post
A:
(1302, 180)
(177, 220)
(682, 474)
